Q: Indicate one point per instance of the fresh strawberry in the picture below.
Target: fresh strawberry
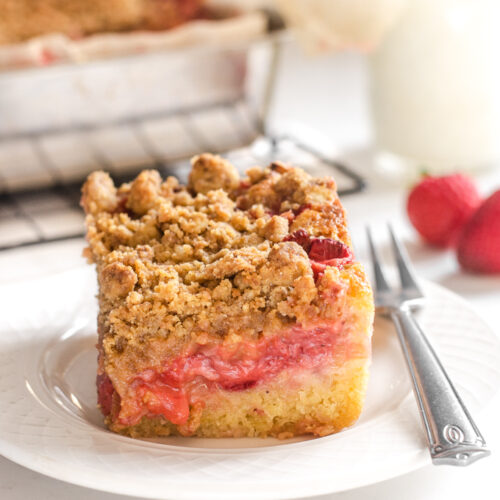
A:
(438, 207)
(479, 243)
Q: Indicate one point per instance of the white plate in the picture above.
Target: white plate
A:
(49, 422)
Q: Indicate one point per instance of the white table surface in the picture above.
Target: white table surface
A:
(330, 95)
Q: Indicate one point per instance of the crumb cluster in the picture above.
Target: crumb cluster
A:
(210, 257)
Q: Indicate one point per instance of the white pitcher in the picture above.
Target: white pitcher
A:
(435, 84)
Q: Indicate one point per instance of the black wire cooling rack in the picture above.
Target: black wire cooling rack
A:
(41, 171)
(32, 216)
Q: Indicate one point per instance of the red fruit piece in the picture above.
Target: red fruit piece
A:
(330, 252)
(438, 207)
(105, 392)
(479, 244)
(323, 252)
(302, 237)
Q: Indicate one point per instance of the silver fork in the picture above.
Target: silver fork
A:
(453, 437)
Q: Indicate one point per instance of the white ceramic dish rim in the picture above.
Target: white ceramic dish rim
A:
(276, 488)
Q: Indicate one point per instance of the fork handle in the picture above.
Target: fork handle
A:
(453, 437)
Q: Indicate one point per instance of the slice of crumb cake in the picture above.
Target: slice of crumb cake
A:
(227, 307)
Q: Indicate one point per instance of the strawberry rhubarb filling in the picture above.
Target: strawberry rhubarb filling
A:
(185, 380)
(189, 378)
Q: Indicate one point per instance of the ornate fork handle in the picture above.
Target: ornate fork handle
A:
(453, 436)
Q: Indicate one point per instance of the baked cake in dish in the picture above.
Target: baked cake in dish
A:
(227, 307)
(24, 19)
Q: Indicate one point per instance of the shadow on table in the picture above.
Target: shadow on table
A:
(471, 284)
(420, 252)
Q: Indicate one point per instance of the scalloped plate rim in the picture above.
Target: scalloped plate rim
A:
(266, 489)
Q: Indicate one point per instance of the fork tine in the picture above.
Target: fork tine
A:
(408, 281)
(380, 281)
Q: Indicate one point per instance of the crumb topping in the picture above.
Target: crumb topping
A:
(25, 19)
(213, 258)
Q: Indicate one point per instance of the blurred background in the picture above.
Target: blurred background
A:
(380, 92)
(382, 95)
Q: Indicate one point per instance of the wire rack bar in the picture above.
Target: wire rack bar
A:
(34, 216)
